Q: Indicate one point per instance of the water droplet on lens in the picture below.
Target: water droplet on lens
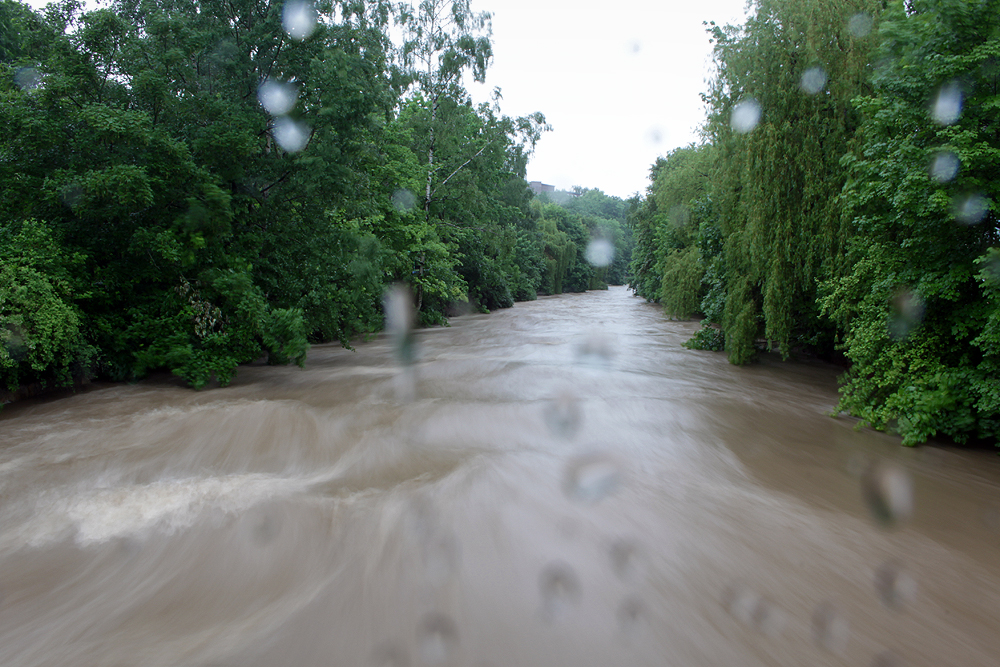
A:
(813, 80)
(971, 209)
(559, 588)
(437, 637)
(290, 135)
(72, 194)
(829, 628)
(389, 655)
(635, 46)
(631, 615)
(948, 104)
(655, 135)
(745, 116)
(595, 351)
(906, 313)
(887, 659)
(591, 478)
(299, 19)
(266, 528)
(894, 586)
(563, 414)
(888, 492)
(403, 200)
(859, 25)
(277, 97)
(753, 610)
(600, 252)
(945, 166)
(441, 557)
(27, 78)
(622, 555)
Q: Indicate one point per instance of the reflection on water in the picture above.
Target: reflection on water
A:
(567, 484)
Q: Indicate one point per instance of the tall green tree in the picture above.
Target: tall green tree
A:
(919, 303)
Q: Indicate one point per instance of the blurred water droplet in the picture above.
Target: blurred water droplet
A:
(905, 314)
(299, 19)
(813, 80)
(894, 586)
(631, 615)
(277, 97)
(390, 655)
(437, 637)
(991, 518)
(887, 659)
(27, 78)
(945, 166)
(655, 135)
(72, 194)
(591, 477)
(441, 554)
(290, 134)
(859, 25)
(622, 554)
(595, 351)
(829, 628)
(971, 209)
(563, 414)
(754, 610)
(266, 528)
(600, 252)
(635, 46)
(559, 588)
(403, 200)
(948, 104)
(745, 116)
(400, 316)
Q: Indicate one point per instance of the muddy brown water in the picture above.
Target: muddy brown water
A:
(568, 486)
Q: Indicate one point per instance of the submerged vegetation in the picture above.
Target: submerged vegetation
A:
(844, 202)
(191, 185)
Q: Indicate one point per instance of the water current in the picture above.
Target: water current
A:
(567, 485)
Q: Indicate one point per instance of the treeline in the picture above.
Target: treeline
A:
(191, 184)
(844, 202)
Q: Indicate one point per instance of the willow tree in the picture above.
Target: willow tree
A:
(781, 118)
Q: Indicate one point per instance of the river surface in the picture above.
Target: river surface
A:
(564, 484)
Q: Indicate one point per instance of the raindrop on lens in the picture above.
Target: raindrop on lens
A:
(299, 19)
(894, 586)
(971, 209)
(563, 414)
(559, 588)
(887, 659)
(436, 638)
(635, 46)
(389, 655)
(888, 492)
(907, 312)
(591, 478)
(813, 80)
(595, 351)
(72, 194)
(631, 614)
(945, 166)
(277, 97)
(290, 135)
(399, 321)
(859, 25)
(622, 555)
(655, 135)
(600, 252)
(403, 200)
(829, 628)
(753, 610)
(745, 116)
(27, 78)
(948, 104)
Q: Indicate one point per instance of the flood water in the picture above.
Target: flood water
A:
(568, 485)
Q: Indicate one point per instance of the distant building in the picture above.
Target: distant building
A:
(538, 187)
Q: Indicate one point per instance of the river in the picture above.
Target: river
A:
(567, 485)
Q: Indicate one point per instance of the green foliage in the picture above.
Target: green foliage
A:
(919, 303)
(708, 338)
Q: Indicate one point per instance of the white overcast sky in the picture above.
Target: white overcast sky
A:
(619, 83)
